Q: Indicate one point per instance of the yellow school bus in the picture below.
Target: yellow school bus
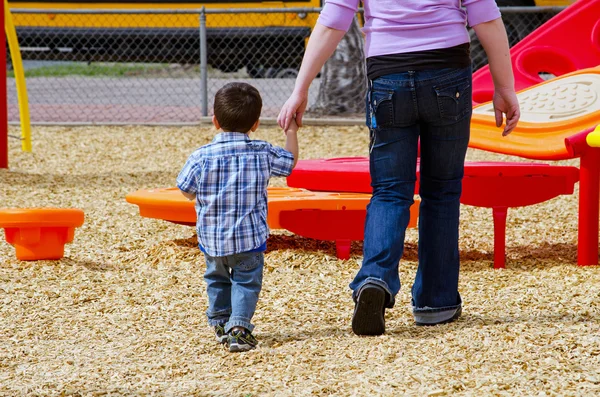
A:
(257, 41)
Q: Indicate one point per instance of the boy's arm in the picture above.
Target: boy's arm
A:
(186, 180)
(189, 196)
(283, 160)
(492, 36)
(291, 141)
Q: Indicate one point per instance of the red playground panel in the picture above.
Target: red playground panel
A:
(495, 185)
(570, 41)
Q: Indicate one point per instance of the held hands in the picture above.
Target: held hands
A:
(506, 103)
(292, 128)
(293, 109)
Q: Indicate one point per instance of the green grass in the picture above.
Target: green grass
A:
(96, 70)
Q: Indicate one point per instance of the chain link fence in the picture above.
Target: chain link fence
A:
(146, 66)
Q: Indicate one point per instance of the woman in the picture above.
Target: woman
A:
(418, 65)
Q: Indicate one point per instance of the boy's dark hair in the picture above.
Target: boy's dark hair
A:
(237, 107)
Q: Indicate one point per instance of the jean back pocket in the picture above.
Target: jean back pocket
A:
(454, 98)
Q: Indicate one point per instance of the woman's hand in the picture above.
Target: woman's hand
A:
(293, 109)
(322, 43)
(506, 103)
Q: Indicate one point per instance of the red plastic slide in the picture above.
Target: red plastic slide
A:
(570, 41)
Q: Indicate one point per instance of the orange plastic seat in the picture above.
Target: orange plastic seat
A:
(320, 215)
(40, 233)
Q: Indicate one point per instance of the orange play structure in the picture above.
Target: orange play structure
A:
(324, 216)
(550, 112)
(40, 233)
(556, 118)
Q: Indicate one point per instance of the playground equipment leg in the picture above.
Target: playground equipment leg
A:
(342, 248)
(589, 203)
(499, 214)
(15, 51)
(3, 98)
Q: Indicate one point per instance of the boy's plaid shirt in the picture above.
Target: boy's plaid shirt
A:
(230, 177)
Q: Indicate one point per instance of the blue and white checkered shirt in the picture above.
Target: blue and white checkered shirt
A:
(229, 177)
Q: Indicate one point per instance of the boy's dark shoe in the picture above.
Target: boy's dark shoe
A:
(220, 333)
(369, 311)
(241, 341)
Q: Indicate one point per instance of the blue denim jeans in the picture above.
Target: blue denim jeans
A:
(233, 284)
(432, 106)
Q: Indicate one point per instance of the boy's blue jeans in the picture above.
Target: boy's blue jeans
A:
(435, 107)
(233, 284)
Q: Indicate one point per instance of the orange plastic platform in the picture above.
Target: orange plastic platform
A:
(40, 233)
(324, 216)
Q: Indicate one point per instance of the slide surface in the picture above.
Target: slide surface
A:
(568, 42)
(550, 112)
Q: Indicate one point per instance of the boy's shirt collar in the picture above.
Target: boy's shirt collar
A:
(230, 136)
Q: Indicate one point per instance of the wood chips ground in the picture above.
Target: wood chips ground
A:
(123, 312)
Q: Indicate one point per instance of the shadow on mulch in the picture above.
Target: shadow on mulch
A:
(90, 265)
(523, 256)
(411, 331)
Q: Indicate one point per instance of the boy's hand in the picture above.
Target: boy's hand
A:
(293, 127)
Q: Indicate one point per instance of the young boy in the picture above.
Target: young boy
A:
(228, 178)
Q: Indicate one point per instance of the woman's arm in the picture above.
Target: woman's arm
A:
(321, 45)
(492, 36)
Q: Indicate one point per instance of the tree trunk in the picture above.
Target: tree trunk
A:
(343, 78)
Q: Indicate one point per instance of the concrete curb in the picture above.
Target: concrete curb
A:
(267, 121)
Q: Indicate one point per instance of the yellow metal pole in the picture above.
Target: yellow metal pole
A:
(17, 62)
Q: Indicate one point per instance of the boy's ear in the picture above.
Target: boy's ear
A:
(216, 123)
(255, 126)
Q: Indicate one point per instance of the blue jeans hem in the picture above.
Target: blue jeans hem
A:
(380, 283)
(239, 322)
(427, 309)
(216, 318)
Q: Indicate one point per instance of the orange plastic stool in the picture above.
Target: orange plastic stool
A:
(40, 233)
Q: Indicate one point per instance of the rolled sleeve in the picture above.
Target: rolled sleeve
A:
(282, 161)
(338, 14)
(480, 11)
(188, 177)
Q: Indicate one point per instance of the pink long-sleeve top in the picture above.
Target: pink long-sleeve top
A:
(399, 26)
